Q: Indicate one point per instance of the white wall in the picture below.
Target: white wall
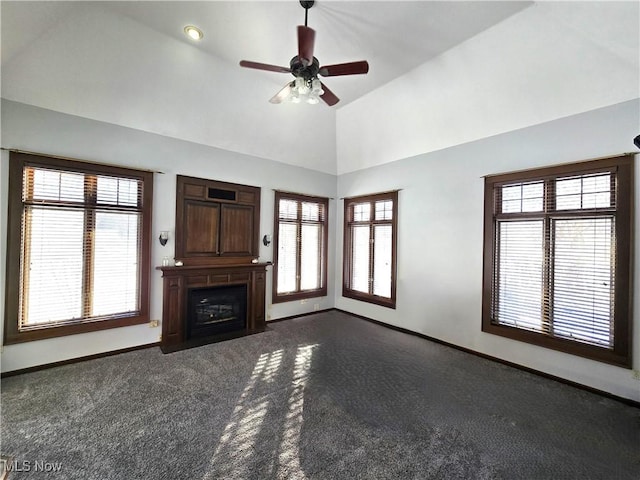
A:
(546, 62)
(440, 236)
(34, 129)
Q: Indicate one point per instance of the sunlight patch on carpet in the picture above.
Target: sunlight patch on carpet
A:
(237, 444)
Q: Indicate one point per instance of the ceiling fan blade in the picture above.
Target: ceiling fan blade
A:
(282, 94)
(328, 96)
(264, 66)
(306, 39)
(352, 68)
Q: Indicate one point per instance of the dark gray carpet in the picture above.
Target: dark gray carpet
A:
(327, 396)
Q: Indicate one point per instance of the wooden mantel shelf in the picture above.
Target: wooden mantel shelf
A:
(171, 269)
(177, 281)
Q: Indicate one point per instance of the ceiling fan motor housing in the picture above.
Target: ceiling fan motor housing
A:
(299, 70)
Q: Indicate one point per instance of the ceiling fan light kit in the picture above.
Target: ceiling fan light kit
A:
(306, 68)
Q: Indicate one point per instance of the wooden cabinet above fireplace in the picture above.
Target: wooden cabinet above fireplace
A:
(216, 222)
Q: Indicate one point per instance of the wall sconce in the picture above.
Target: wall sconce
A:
(163, 238)
(266, 240)
(637, 141)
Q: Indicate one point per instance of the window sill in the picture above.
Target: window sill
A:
(292, 297)
(571, 347)
(73, 329)
(364, 297)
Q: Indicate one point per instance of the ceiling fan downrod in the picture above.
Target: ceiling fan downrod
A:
(306, 5)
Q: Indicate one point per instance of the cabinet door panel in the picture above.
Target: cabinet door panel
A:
(258, 297)
(172, 313)
(236, 230)
(201, 224)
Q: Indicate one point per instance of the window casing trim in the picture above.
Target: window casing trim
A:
(17, 163)
(347, 291)
(309, 293)
(622, 166)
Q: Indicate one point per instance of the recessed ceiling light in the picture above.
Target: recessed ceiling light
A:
(193, 33)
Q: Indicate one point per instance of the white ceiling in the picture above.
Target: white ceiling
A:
(129, 63)
(394, 37)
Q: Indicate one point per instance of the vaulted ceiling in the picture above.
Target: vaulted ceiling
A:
(130, 64)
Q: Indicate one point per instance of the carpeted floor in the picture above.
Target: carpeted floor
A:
(326, 396)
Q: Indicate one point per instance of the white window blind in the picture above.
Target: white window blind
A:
(519, 276)
(360, 253)
(583, 280)
(80, 247)
(382, 250)
(287, 257)
(54, 259)
(310, 256)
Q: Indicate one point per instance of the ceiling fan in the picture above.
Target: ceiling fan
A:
(306, 68)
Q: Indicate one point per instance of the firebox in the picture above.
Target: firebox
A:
(216, 310)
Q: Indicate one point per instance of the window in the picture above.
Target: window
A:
(370, 230)
(78, 247)
(300, 244)
(557, 253)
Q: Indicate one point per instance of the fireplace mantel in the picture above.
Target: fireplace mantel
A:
(178, 280)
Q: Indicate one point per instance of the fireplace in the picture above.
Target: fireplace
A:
(215, 310)
(209, 303)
